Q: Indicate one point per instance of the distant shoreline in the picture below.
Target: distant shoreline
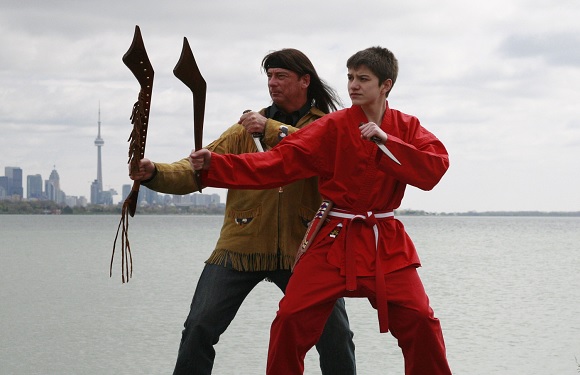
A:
(515, 213)
(51, 208)
(492, 213)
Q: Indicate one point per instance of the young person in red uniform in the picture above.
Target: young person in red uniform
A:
(360, 250)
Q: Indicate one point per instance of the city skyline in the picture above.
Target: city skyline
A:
(12, 187)
(52, 191)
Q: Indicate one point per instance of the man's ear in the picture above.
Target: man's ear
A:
(305, 80)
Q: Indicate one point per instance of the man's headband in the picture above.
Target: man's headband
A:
(275, 62)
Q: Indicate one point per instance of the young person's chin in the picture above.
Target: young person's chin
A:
(357, 101)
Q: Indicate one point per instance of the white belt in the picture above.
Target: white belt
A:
(346, 215)
(379, 215)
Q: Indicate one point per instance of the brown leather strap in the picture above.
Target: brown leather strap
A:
(313, 228)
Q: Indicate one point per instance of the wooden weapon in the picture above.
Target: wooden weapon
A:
(137, 61)
(188, 72)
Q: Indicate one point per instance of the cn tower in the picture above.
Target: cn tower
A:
(99, 143)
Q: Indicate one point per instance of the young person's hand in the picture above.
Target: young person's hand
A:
(200, 159)
(371, 130)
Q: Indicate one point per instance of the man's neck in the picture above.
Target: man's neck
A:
(289, 118)
(290, 108)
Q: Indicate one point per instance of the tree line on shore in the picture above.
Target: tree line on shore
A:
(52, 208)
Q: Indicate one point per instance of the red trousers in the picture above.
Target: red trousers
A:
(310, 296)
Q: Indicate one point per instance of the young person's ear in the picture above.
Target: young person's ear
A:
(386, 86)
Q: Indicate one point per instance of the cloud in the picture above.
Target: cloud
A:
(497, 83)
(559, 49)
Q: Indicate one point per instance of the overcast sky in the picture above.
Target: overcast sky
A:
(497, 81)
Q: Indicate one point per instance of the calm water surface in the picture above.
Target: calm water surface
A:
(507, 291)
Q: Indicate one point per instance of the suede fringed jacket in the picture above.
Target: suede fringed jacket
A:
(262, 229)
(355, 175)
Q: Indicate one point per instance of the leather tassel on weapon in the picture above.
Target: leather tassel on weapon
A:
(137, 61)
(188, 72)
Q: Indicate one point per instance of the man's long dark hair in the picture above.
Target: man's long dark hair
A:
(320, 93)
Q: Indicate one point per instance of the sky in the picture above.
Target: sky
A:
(498, 82)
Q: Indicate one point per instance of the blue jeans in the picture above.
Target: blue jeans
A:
(219, 294)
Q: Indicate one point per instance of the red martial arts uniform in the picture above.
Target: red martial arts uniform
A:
(362, 250)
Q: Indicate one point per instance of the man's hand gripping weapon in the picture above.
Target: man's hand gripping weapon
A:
(137, 61)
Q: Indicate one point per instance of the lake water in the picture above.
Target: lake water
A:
(506, 289)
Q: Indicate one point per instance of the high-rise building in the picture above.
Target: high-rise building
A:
(14, 175)
(97, 185)
(148, 196)
(34, 186)
(3, 187)
(52, 187)
(95, 193)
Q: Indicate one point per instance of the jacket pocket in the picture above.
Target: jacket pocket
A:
(243, 218)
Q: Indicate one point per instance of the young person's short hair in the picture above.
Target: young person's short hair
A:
(379, 60)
